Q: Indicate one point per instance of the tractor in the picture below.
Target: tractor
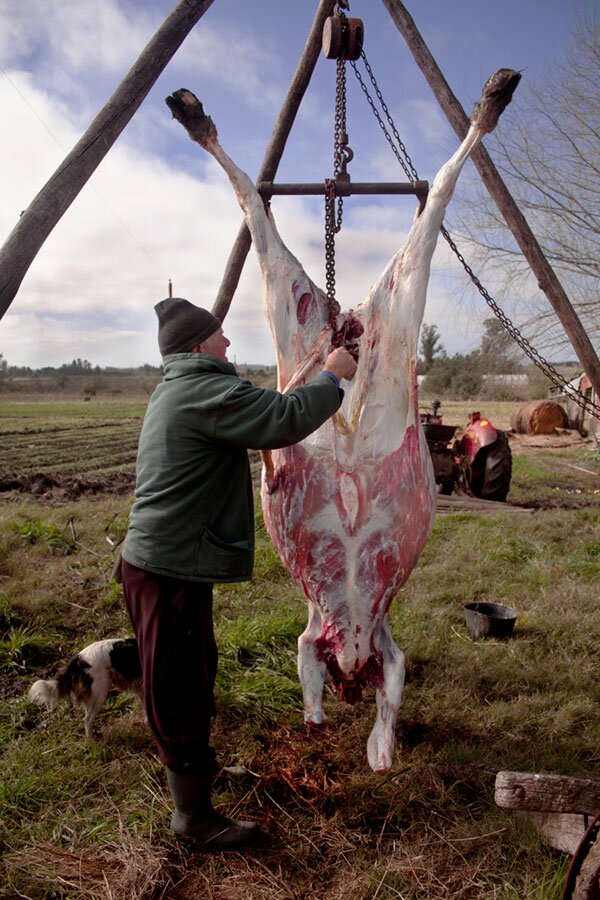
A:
(478, 463)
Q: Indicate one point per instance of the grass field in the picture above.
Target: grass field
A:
(90, 819)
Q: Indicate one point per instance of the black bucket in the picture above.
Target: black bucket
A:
(490, 620)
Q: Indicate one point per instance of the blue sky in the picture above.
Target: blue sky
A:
(157, 208)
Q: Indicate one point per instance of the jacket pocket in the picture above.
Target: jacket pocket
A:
(220, 559)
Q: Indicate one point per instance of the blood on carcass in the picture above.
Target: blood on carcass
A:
(350, 509)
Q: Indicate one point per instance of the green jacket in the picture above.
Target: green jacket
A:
(193, 515)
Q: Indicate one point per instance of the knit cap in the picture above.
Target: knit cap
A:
(181, 325)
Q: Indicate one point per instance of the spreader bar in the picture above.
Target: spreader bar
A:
(346, 188)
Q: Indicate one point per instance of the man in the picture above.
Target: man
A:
(191, 525)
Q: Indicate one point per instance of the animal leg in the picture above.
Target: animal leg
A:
(311, 670)
(380, 746)
(93, 705)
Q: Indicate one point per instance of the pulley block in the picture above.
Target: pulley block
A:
(343, 38)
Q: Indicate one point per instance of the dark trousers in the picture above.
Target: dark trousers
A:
(173, 623)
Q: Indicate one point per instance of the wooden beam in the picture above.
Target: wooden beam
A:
(547, 793)
(274, 152)
(48, 207)
(547, 280)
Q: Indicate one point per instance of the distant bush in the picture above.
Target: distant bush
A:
(453, 376)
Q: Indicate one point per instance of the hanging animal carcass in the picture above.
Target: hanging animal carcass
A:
(351, 507)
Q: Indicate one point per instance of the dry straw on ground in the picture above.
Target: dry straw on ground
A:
(128, 870)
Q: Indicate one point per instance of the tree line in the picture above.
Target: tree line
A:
(75, 367)
(464, 375)
(85, 367)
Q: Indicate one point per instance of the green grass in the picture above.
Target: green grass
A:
(567, 477)
(90, 819)
(52, 412)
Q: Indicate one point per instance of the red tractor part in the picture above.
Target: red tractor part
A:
(446, 466)
(478, 433)
(480, 462)
(486, 459)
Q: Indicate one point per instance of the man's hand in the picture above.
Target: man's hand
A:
(340, 363)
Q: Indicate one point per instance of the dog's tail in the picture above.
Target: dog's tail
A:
(51, 691)
(46, 693)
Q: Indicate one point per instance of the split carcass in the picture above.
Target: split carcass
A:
(351, 507)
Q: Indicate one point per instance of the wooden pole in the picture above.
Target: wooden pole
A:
(47, 208)
(533, 253)
(274, 152)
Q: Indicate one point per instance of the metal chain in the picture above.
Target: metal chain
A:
(333, 221)
(330, 247)
(405, 161)
(340, 138)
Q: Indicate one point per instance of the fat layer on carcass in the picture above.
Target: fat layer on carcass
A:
(351, 507)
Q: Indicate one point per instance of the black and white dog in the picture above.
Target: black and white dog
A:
(110, 665)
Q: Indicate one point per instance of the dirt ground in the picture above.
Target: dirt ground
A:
(61, 488)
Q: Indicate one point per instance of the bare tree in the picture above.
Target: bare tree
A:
(550, 161)
(498, 354)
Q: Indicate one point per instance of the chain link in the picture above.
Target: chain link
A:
(340, 138)
(333, 218)
(405, 161)
(330, 246)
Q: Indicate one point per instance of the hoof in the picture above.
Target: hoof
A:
(188, 110)
(380, 754)
(315, 718)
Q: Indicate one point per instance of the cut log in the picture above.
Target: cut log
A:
(539, 417)
(587, 881)
(547, 793)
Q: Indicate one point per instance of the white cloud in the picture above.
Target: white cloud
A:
(78, 50)
(77, 33)
(33, 146)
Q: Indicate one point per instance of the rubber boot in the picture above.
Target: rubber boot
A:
(196, 819)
